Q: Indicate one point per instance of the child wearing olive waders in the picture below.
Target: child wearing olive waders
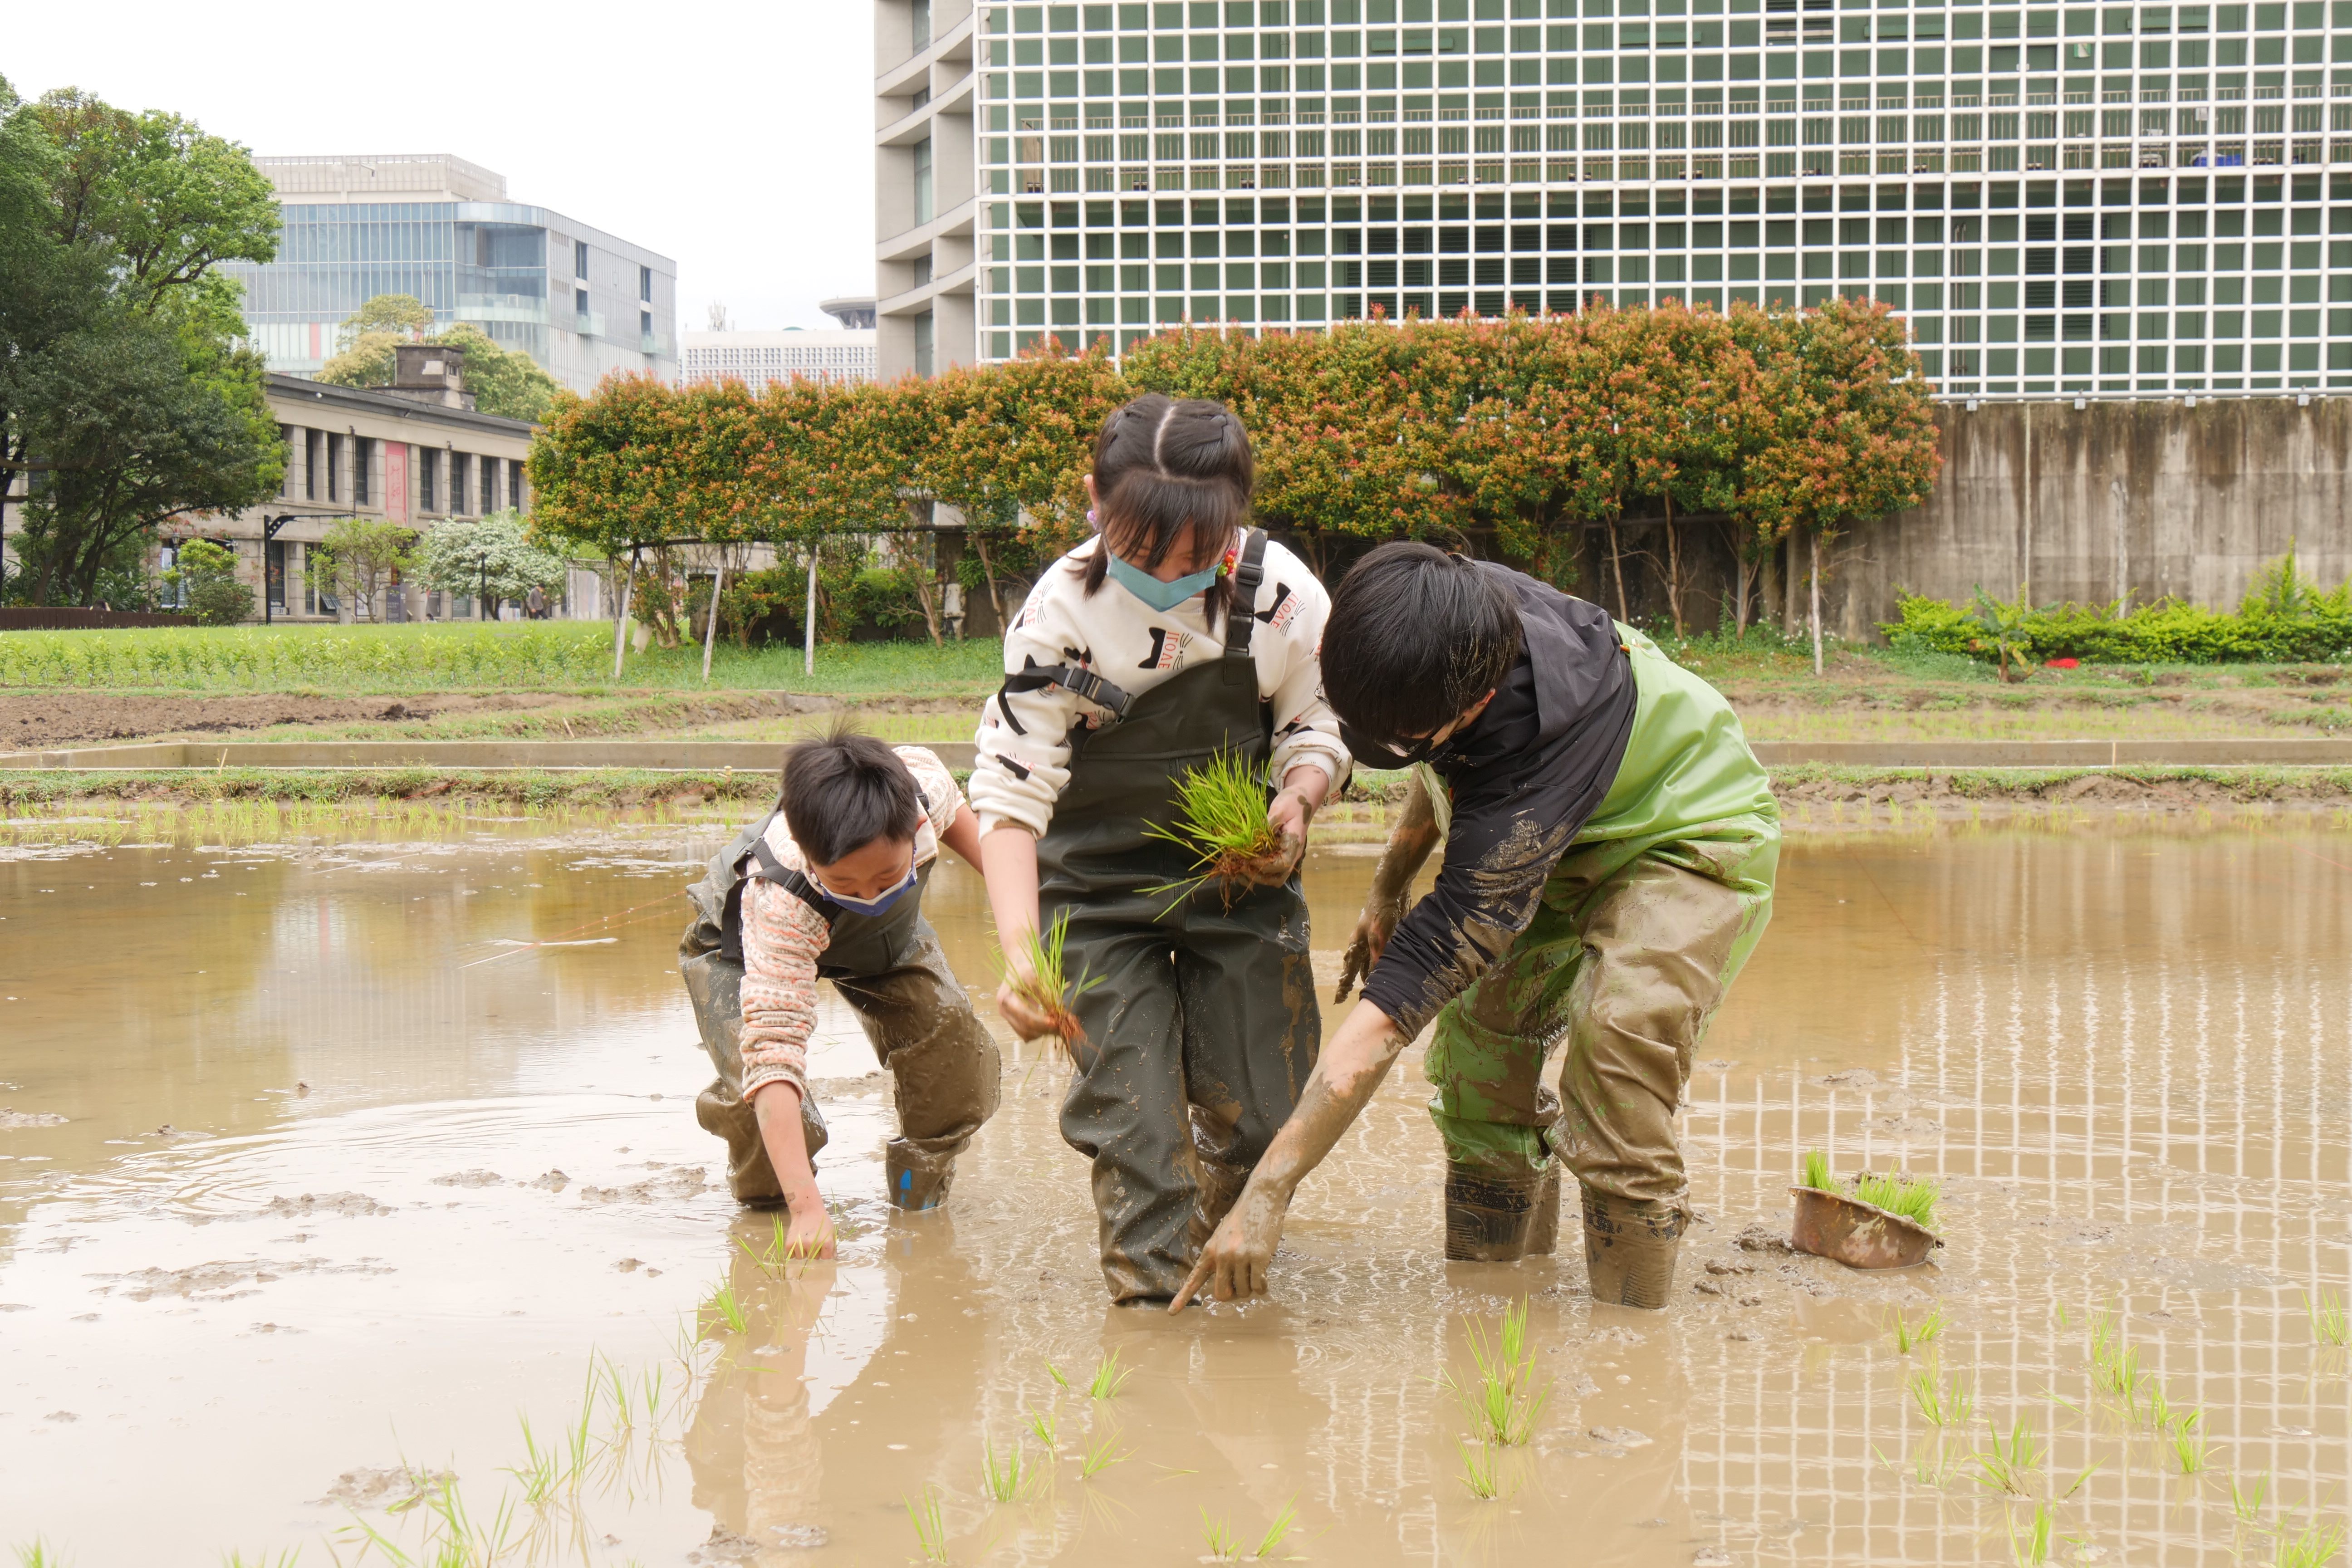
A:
(830, 884)
(1176, 633)
(1609, 848)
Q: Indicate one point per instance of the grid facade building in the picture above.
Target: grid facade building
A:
(756, 358)
(580, 302)
(2059, 198)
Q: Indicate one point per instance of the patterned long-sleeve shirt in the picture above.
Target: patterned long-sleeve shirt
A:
(1021, 771)
(785, 938)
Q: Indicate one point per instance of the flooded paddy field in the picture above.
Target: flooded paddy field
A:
(335, 1148)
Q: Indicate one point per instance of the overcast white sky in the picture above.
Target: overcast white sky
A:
(734, 137)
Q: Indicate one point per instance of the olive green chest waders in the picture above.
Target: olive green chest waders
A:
(1202, 1026)
(891, 972)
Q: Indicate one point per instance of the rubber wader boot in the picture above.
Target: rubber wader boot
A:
(917, 1182)
(1497, 1218)
(1543, 1229)
(1629, 1249)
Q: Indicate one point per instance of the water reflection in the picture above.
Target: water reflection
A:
(2125, 1056)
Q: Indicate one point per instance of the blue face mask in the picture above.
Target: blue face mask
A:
(867, 906)
(1160, 597)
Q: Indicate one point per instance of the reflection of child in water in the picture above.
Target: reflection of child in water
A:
(829, 884)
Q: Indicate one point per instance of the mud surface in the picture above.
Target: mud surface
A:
(344, 1180)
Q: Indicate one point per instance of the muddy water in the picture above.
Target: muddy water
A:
(371, 1139)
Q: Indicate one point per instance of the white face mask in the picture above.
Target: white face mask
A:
(874, 906)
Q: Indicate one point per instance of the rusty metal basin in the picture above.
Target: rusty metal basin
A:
(1856, 1234)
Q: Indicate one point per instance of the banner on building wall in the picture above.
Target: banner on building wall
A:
(395, 481)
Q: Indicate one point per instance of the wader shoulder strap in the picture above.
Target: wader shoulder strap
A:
(1085, 683)
(770, 869)
(1241, 619)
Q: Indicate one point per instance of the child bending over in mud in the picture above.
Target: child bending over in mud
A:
(830, 883)
(1610, 849)
(1175, 636)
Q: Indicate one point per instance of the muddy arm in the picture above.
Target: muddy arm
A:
(1410, 842)
(1351, 1068)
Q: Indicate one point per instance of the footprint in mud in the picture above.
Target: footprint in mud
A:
(680, 1181)
(554, 1181)
(372, 1487)
(61, 1416)
(350, 1204)
(1621, 1436)
(470, 1179)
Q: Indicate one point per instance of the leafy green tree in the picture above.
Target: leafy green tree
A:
(492, 557)
(208, 572)
(124, 395)
(504, 382)
(356, 561)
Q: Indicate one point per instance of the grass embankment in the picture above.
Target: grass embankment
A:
(600, 788)
(551, 681)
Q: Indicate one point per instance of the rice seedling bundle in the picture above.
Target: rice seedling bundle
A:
(1221, 821)
(1047, 984)
(1913, 1198)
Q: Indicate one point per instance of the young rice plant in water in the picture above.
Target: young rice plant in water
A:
(1502, 1402)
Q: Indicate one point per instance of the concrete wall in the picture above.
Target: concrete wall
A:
(2091, 503)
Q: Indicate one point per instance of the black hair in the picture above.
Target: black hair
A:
(843, 790)
(1416, 635)
(1170, 474)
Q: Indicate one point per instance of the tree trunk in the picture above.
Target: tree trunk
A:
(1617, 566)
(628, 579)
(988, 571)
(1767, 583)
(1816, 577)
(1742, 574)
(808, 621)
(1790, 621)
(926, 592)
(1674, 571)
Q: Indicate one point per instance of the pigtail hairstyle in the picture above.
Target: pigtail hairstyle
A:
(1171, 478)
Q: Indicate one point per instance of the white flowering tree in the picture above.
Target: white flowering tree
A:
(492, 557)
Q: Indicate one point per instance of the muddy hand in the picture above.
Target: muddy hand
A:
(1232, 1266)
(1374, 929)
(811, 1234)
(1028, 1020)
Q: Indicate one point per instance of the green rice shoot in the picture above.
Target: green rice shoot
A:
(1046, 1427)
(1002, 1477)
(2310, 1547)
(1109, 1378)
(1221, 820)
(2329, 1324)
(1909, 1336)
(931, 1525)
(1046, 985)
(2246, 1497)
(1482, 1470)
(1101, 1455)
(1502, 1402)
(1281, 1526)
(1217, 1535)
(1817, 1172)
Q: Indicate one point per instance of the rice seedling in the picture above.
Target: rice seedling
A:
(2159, 1409)
(723, 1307)
(1816, 1171)
(1109, 1378)
(35, 1554)
(931, 1524)
(2031, 1548)
(2311, 1547)
(1501, 1402)
(616, 1387)
(775, 1259)
(1482, 1470)
(1055, 1373)
(1931, 1466)
(2011, 1463)
(540, 1472)
(2187, 1436)
(1221, 820)
(1943, 1401)
(1910, 1336)
(1272, 1539)
(1047, 984)
(1913, 1198)
(1047, 1426)
(1002, 1477)
(2246, 1498)
(2329, 1325)
(1099, 1457)
(1218, 1536)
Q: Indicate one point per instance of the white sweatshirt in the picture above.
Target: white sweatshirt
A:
(1020, 773)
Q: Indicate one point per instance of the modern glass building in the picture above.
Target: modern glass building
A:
(580, 302)
(2059, 198)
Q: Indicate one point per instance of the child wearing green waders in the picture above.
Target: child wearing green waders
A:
(1177, 635)
(1610, 849)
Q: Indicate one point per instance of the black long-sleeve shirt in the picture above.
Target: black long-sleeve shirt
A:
(1525, 777)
